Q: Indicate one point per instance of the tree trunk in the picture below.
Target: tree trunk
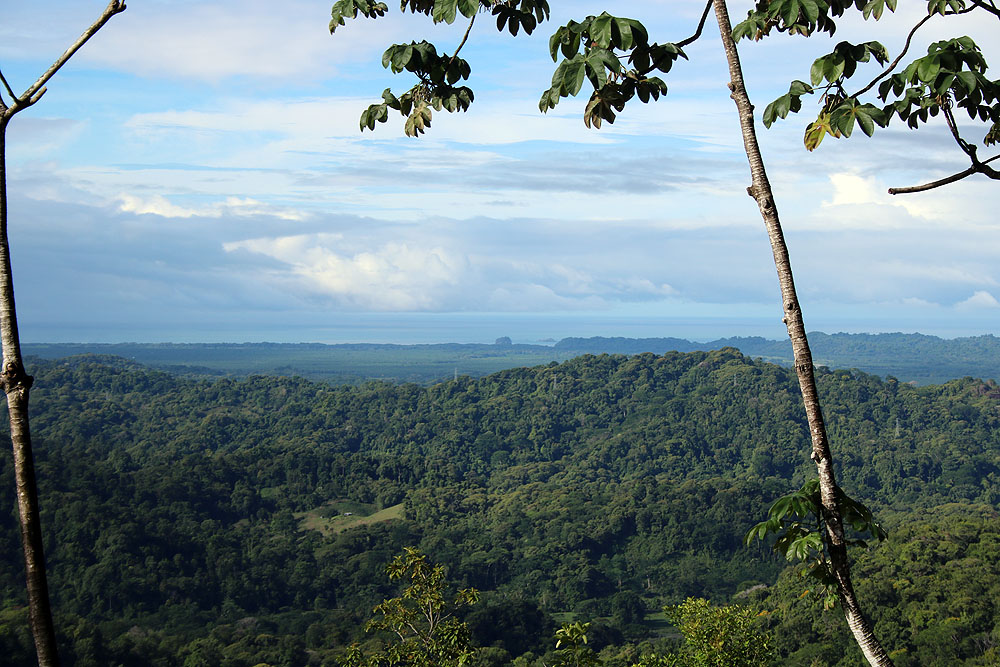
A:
(16, 385)
(760, 190)
(16, 382)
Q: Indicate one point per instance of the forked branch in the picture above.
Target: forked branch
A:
(701, 26)
(37, 89)
(977, 168)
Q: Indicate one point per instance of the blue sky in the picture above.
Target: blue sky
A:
(196, 173)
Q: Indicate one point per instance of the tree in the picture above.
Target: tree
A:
(719, 636)
(16, 382)
(422, 619)
(713, 637)
(951, 76)
(571, 646)
(593, 50)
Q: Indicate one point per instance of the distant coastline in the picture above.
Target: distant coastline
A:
(915, 357)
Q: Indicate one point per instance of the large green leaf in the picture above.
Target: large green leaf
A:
(600, 30)
(445, 11)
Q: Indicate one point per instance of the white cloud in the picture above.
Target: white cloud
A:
(435, 271)
(852, 189)
(979, 301)
(231, 206)
(392, 277)
(212, 41)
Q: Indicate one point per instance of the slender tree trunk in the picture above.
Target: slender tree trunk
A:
(16, 385)
(16, 382)
(760, 190)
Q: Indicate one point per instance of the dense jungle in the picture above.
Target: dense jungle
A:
(241, 522)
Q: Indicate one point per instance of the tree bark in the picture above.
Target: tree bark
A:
(16, 385)
(760, 190)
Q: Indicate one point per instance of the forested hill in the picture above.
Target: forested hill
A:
(248, 521)
(907, 357)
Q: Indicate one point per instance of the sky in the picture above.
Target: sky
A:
(196, 174)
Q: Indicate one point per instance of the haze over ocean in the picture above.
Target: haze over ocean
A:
(425, 328)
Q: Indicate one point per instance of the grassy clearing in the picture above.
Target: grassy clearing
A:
(339, 515)
(658, 623)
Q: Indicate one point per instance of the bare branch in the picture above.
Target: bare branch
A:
(977, 168)
(966, 147)
(10, 92)
(701, 25)
(465, 38)
(991, 7)
(35, 92)
(934, 184)
(892, 66)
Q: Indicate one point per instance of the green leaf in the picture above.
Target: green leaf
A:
(350, 8)
(398, 56)
(928, 68)
(555, 41)
(968, 80)
(635, 30)
(833, 67)
(550, 98)
(816, 71)
(799, 88)
(773, 111)
(600, 30)
(445, 11)
(469, 8)
(879, 51)
(811, 10)
(780, 507)
(842, 120)
(943, 84)
(791, 11)
(866, 123)
(600, 62)
(572, 79)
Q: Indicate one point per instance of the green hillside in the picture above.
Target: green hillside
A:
(191, 518)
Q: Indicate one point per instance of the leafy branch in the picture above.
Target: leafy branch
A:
(951, 75)
(589, 52)
(437, 74)
(802, 532)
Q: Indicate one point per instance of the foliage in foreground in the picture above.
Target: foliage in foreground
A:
(935, 585)
(428, 634)
(422, 620)
(797, 521)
